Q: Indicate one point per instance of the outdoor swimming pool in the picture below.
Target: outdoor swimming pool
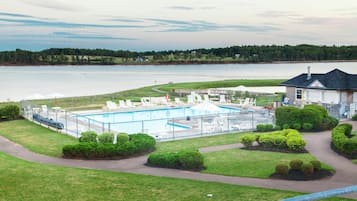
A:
(152, 121)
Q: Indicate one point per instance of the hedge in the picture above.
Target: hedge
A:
(265, 127)
(315, 115)
(248, 139)
(187, 160)
(88, 136)
(342, 142)
(354, 118)
(106, 138)
(288, 138)
(137, 144)
(10, 112)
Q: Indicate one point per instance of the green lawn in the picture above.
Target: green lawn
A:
(97, 101)
(195, 143)
(247, 163)
(35, 138)
(23, 180)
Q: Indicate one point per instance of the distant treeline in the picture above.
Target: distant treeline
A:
(234, 54)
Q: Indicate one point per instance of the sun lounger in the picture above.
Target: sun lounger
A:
(111, 105)
(199, 98)
(190, 99)
(122, 104)
(222, 99)
(178, 101)
(129, 103)
(206, 98)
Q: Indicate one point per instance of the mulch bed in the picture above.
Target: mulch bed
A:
(299, 176)
(271, 149)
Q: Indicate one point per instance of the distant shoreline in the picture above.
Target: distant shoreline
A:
(182, 63)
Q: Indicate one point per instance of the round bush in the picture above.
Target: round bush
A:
(307, 126)
(296, 143)
(191, 160)
(165, 160)
(10, 112)
(277, 128)
(354, 118)
(122, 138)
(296, 126)
(296, 164)
(88, 136)
(316, 164)
(307, 169)
(106, 138)
(286, 126)
(282, 169)
(247, 140)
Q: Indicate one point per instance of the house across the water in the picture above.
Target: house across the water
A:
(336, 90)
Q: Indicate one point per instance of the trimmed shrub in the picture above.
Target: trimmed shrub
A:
(264, 127)
(307, 126)
(307, 169)
(282, 169)
(354, 118)
(296, 126)
(188, 160)
(277, 128)
(138, 143)
(295, 143)
(287, 115)
(247, 140)
(10, 112)
(106, 138)
(122, 138)
(142, 142)
(165, 160)
(316, 164)
(286, 126)
(88, 136)
(342, 142)
(296, 164)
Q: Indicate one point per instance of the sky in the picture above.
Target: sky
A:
(142, 25)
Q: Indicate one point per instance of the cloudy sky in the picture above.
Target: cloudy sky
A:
(174, 24)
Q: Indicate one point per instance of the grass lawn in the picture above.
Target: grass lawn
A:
(196, 143)
(247, 163)
(97, 101)
(35, 138)
(23, 180)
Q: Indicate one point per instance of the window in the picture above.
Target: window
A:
(298, 94)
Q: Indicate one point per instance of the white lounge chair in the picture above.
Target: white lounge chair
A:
(145, 101)
(178, 101)
(190, 99)
(206, 97)
(222, 99)
(111, 105)
(129, 103)
(253, 102)
(246, 102)
(122, 104)
(199, 98)
(44, 109)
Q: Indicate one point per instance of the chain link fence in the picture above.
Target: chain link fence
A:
(161, 129)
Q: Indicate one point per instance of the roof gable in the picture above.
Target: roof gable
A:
(316, 84)
(335, 79)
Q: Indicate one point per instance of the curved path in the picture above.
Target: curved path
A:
(318, 145)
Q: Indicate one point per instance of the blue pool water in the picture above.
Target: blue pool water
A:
(150, 121)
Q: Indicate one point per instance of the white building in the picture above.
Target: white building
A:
(333, 89)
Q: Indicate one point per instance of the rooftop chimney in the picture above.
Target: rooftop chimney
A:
(308, 73)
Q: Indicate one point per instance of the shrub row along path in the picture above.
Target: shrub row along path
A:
(318, 145)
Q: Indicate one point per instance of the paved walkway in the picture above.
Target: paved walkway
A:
(318, 145)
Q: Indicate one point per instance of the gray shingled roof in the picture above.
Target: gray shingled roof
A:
(335, 79)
